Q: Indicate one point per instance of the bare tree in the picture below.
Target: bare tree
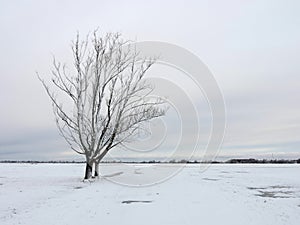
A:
(110, 98)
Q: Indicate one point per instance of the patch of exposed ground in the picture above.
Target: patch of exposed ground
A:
(210, 179)
(280, 186)
(136, 201)
(275, 194)
(78, 187)
(257, 188)
(274, 191)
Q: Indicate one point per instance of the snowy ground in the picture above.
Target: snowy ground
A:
(48, 194)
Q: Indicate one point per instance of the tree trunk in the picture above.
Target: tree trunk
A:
(96, 169)
(88, 171)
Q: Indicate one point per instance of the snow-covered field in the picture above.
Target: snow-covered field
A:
(53, 194)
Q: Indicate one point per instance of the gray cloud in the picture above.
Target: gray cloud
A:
(251, 47)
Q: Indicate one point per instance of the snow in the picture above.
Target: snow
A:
(47, 194)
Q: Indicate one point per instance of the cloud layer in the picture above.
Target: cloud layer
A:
(252, 48)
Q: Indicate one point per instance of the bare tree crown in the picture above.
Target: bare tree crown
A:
(110, 97)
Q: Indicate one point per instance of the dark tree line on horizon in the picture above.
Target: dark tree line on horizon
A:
(230, 161)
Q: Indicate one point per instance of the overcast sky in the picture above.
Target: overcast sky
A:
(251, 47)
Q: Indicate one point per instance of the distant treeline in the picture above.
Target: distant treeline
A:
(262, 161)
(230, 161)
(233, 161)
(38, 161)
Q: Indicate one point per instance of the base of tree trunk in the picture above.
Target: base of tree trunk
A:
(88, 171)
(96, 170)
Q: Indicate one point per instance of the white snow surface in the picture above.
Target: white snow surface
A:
(54, 194)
